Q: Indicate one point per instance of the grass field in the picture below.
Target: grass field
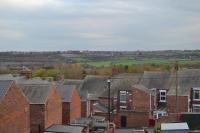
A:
(127, 61)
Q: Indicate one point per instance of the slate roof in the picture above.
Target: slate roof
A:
(93, 85)
(6, 77)
(36, 92)
(21, 80)
(4, 86)
(122, 82)
(63, 129)
(77, 83)
(141, 87)
(187, 78)
(158, 80)
(65, 92)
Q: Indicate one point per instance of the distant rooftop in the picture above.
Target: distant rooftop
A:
(6, 77)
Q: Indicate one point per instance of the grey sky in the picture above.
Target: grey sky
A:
(99, 25)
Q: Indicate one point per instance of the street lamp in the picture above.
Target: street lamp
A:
(109, 82)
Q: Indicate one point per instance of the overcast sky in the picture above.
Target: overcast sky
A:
(38, 25)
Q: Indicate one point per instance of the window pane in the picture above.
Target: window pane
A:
(122, 97)
(162, 93)
(196, 94)
(162, 98)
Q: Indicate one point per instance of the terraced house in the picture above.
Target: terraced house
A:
(14, 109)
(71, 103)
(45, 104)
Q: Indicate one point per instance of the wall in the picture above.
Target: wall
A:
(37, 118)
(53, 109)
(75, 106)
(134, 119)
(85, 108)
(182, 104)
(141, 100)
(65, 113)
(14, 112)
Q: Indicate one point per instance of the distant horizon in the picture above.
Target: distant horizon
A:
(103, 50)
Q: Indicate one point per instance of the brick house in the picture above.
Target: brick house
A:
(92, 87)
(133, 107)
(85, 102)
(159, 84)
(71, 103)
(14, 109)
(181, 95)
(188, 94)
(45, 104)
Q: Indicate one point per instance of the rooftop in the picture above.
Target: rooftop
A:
(36, 92)
(63, 129)
(65, 91)
(174, 126)
(4, 86)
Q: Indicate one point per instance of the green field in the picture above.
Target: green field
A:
(127, 61)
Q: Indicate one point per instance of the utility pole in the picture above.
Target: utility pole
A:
(109, 82)
(176, 75)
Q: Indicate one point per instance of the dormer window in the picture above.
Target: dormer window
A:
(196, 94)
(162, 95)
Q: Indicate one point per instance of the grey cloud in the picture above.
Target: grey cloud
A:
(100, 25)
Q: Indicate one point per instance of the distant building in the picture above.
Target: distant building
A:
(71, 103)
(45, 104)
(26, 72)
(14, 109)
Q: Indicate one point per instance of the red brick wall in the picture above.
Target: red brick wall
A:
(85, 108)
(37, 118)
(53, 109)
(169, 118)
(182, 104)
(65, 113)
(75, 106)
(141, 100)
(134, 119)
(14, 112)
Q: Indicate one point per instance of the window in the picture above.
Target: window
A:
(122, 107)
(122, 96)
(196, 108)
(159, 114)
(162, 95)
(196, 94)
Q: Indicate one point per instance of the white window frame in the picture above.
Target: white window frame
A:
(123, 107)
(196, 105)
(156, 114)
(196, 89)
(122, 93)
(160, 91)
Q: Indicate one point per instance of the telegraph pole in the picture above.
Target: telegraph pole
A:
(109, 81)
(176, 74)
